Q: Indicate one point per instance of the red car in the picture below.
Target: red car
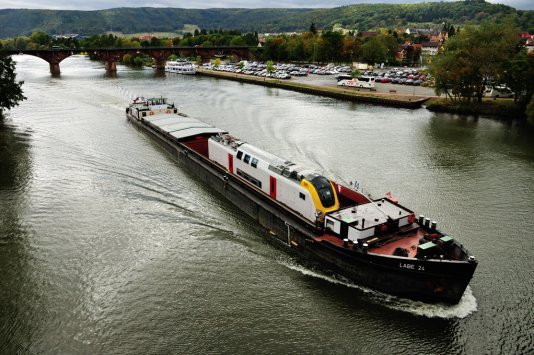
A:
(385, 80)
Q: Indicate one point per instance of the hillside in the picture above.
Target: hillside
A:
(16, 22)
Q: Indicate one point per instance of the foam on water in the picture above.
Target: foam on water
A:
(466, 306)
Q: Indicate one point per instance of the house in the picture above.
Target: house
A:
(147, 37)
(408, 53)
(418, 31)
(430, 48)
(67, 36)
(339, 28)
(367, 34)
(528, 41)
(440, 37)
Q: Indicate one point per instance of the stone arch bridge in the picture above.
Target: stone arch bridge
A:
(111, 56)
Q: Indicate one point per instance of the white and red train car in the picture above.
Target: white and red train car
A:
(304, 191)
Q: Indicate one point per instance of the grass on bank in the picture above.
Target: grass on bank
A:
(503, 108)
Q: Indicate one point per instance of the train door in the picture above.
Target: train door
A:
(230, 163)
(272, 189)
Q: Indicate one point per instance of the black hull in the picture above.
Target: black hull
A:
(426, 280)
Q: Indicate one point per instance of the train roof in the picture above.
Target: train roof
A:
(279, 165)
(260, 154)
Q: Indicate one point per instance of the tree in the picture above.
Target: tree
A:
(155, 42)
(237, 41)
(10, 90)
(127, 59)
(313, 29)
(295, 48)
(473, 59)
(355, 73)
(270, 66)
(138, 61)
(452, 31)
(519, 76)
(276, 48)
(352, 48)
(41, 39)
(374, 50)
(331, 46)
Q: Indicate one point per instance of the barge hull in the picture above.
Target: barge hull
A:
(445, 283)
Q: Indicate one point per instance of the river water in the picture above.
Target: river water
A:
(108, 245)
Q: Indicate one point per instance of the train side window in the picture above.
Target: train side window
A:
(254, 162)
(249, 178)
(247, 159)
(239, 155)
(302, 196)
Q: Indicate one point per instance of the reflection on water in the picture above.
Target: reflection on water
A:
(452, 142)
(18, 291)
(108, 245)
(15, 157)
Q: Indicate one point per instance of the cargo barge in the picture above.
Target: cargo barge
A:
(377, 243)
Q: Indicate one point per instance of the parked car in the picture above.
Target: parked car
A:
(500, 91)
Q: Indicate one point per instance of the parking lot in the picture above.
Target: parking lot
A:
(326, 76)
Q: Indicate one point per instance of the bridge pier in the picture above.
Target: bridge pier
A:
(205, 58)
(110, 65)
(54, 68)
(160, 64)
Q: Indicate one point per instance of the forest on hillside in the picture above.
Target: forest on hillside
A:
(362, 17)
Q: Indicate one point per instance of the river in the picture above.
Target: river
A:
(108, 245)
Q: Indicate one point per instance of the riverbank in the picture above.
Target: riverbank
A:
(350, 94)
(505, 109)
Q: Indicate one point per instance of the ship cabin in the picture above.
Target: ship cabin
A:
(359, 222)
(142, 107)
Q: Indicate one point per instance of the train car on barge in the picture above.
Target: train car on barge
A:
(374, 242)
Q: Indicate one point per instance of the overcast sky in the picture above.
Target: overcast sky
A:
(106, 4)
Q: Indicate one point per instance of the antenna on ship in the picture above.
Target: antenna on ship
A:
(356, 187)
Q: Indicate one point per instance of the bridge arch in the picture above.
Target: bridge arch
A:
(51, 56)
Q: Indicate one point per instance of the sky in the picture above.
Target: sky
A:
(106, 4)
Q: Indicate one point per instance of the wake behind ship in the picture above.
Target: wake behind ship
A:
(373, 242)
